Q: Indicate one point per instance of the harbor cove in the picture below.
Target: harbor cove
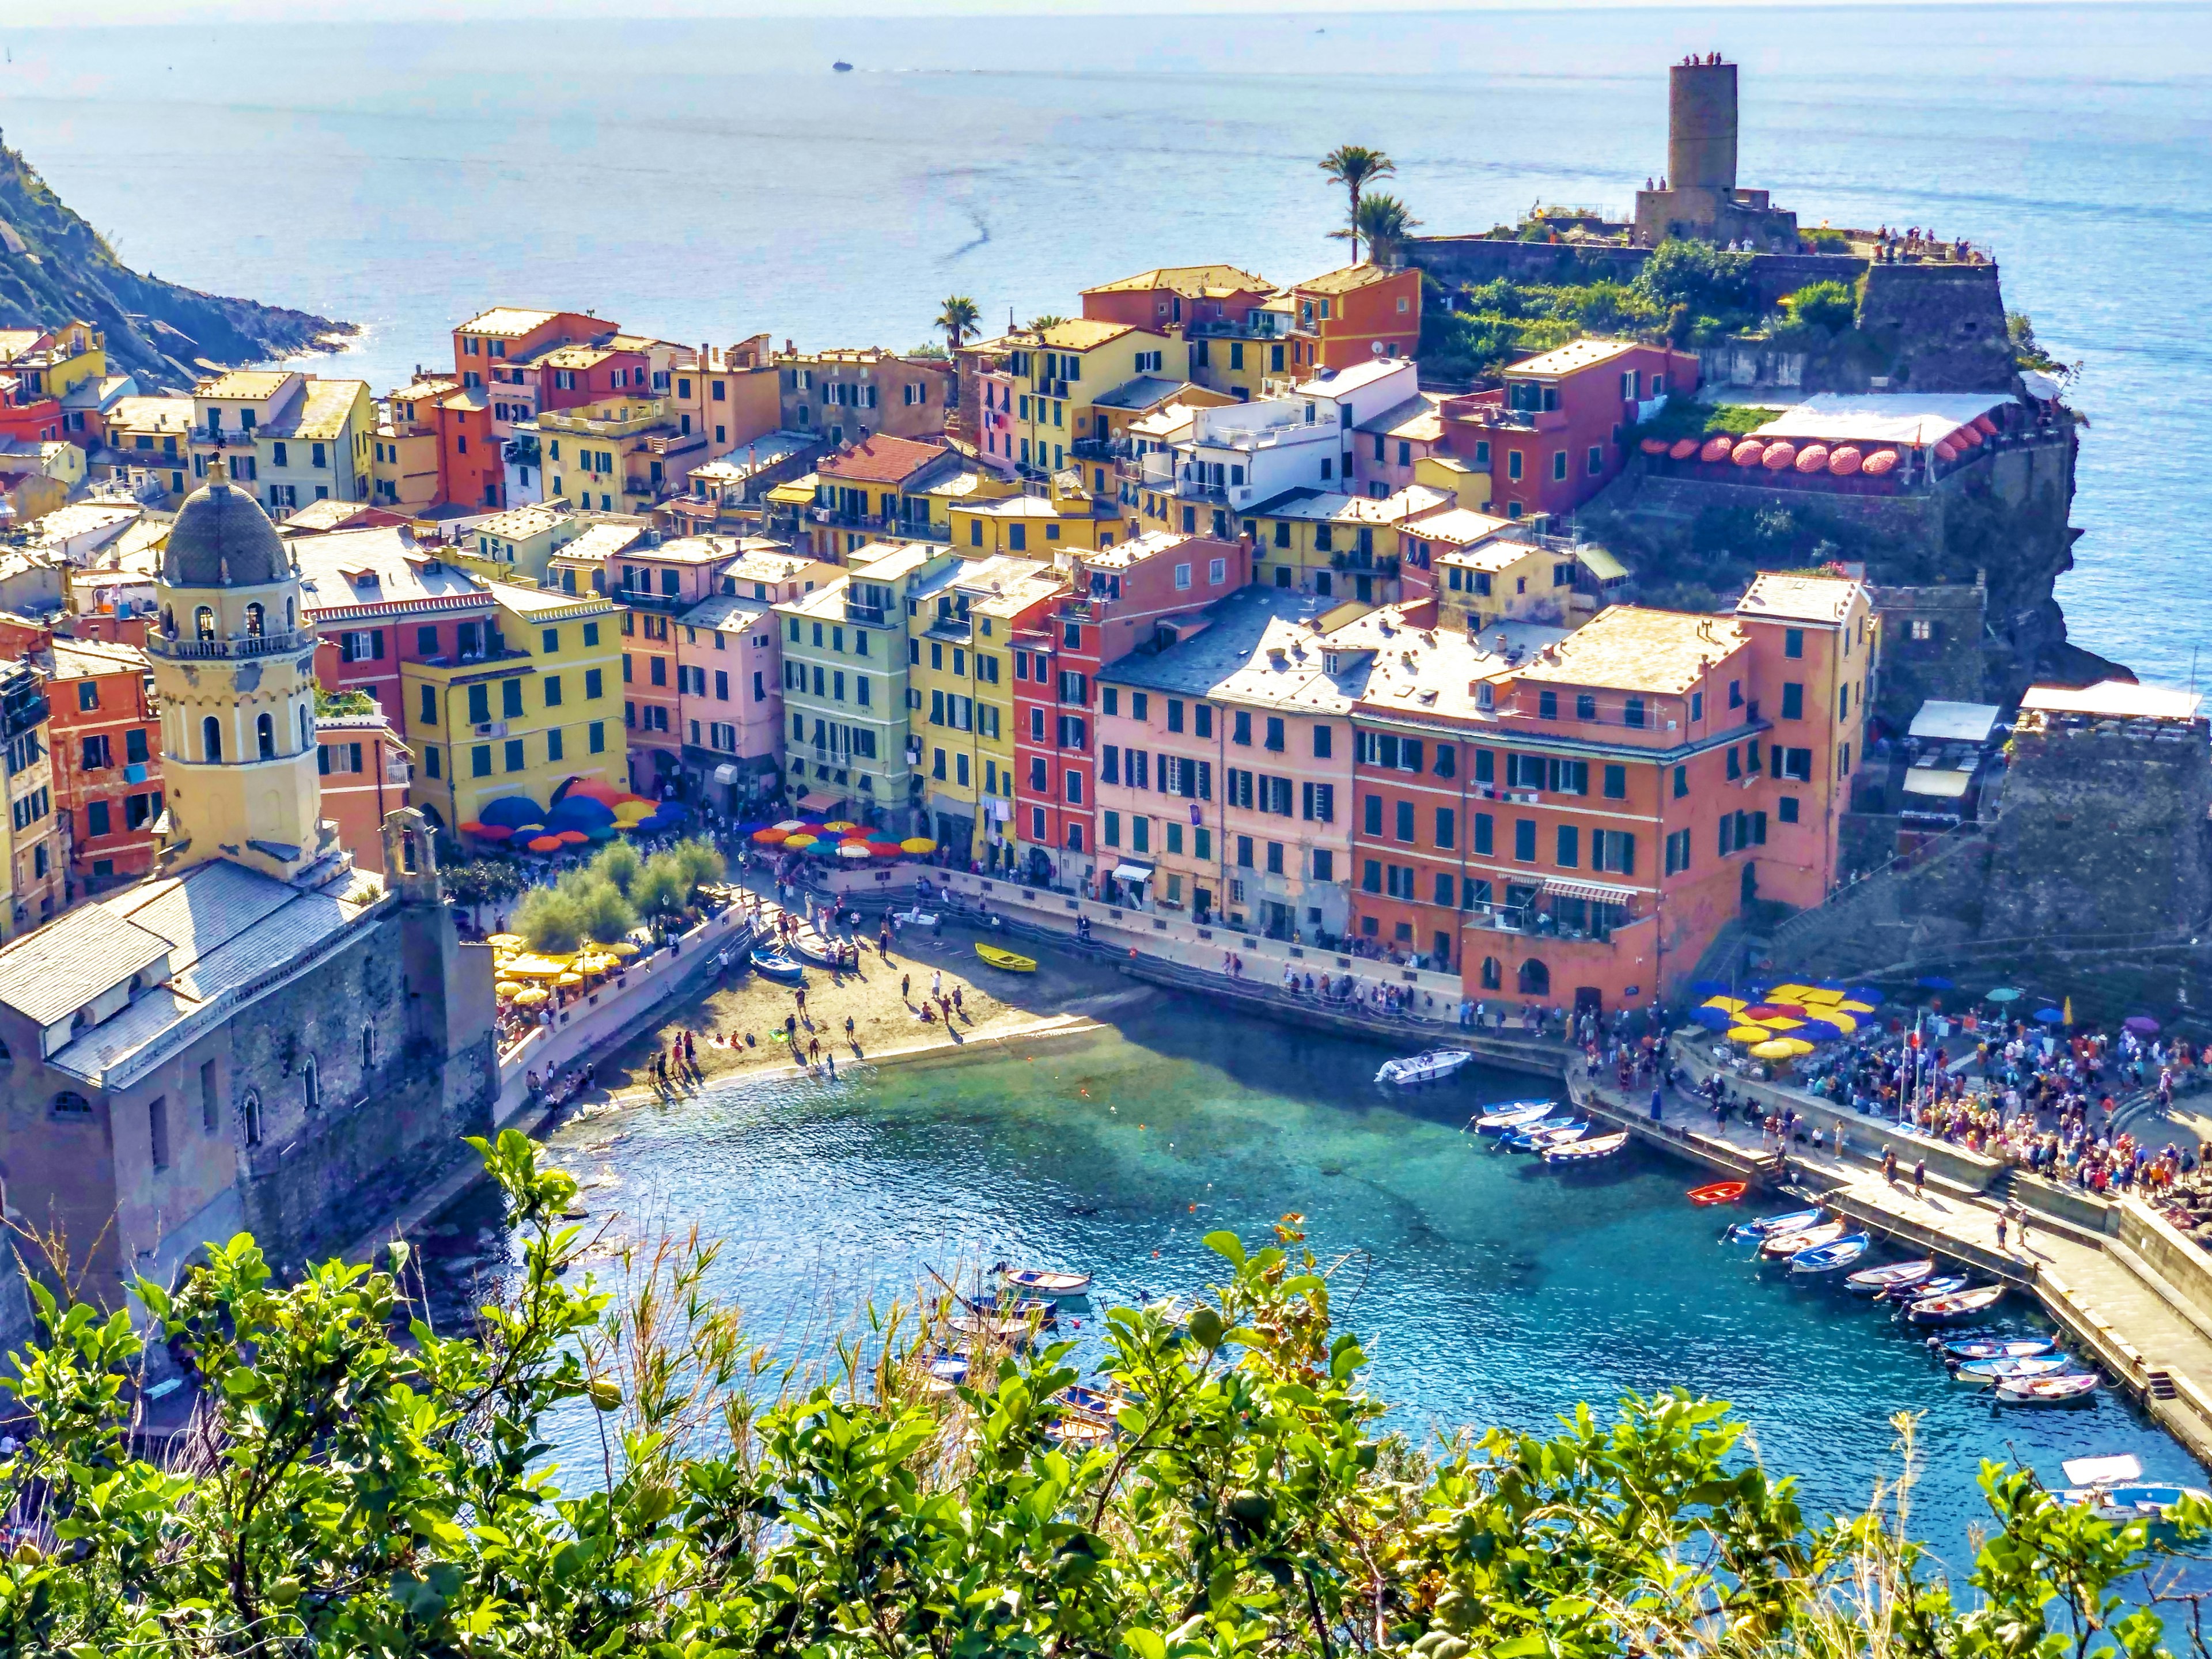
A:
(1439, 898)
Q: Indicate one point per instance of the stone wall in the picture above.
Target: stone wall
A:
(1931, 647)
(1457, 261)
(1944, 326)
(2103, 830)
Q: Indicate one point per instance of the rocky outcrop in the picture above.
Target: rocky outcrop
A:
(54, 267)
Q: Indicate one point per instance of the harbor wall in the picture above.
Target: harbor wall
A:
(2179, 1260)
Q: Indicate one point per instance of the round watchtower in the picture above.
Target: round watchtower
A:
(1701, 126)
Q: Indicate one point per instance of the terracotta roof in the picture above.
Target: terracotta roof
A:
(1191, 281)
(505, 321)
(1082, 334)
(881, 459)
(1631, 648)
(1348, 279)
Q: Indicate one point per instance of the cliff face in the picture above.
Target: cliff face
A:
(55, 267)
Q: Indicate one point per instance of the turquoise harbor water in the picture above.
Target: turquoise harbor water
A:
(1488, 1289)
(696, 178)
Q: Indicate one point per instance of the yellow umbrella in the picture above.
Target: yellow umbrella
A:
(1781, 1048)
(1750, 1034)
(801, 840)
(505, 988)
(917, 844)
(504, 941)
(1731, 1005)
(622, 948)
(1857, 1007)
(1780, 1023)
(1788, 992)
(530, 998)
(1842, 1021)
(535, 968)
(569, 979)
(2066, 1014)
(595, 964)
(840, 825)
(1819, 998)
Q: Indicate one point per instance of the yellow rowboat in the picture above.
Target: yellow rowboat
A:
(1007, 959)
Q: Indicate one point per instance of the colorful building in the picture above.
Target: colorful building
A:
(106, 731)
(729, 671)
(1178, 297)
(286, 438)
(845, 688)
(654, 583)
(1353, 315)
(378, 601)
(1038, 389)
(39, 368)
(730, 394)
(522, 541)
(1389, 447)
(1336, 545)
(587, 564)
(620, 455)
(365, 771)
(516, 705)
(847, 396)
(1556, 433)
(1062, 514)
(880, 488)
(406, 451)
(148, 447)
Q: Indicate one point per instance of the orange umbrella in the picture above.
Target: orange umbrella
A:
(544, 843)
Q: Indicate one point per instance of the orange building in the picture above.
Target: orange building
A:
(1343, 317)
(106, 735)
(1570, 819)
(365, 768)
(1178, 297)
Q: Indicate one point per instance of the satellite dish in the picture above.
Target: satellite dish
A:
(1376, 346)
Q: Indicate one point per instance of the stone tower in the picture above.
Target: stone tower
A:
(234, 660)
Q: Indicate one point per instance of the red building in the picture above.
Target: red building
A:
(1178, 297)
(1356, 315)
(503, 352)
(106, 737)
(1125, 598)
(1555, 434)
(364, 769)
(378, 600)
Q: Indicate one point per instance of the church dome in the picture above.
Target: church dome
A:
(222, 538)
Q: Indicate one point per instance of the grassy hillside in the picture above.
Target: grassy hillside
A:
(54, 267)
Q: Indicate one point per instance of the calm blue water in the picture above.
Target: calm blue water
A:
(1488, 1289)
(709, 179)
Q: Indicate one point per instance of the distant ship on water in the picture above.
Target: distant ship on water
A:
(841, 67)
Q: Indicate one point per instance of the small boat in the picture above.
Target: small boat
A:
(1587, 1152)
(2138, 1500)
(1096, 1402)
(916, 917)
(1077, 1429)
(772, 964)
(947, 1372)
(1002, 1327)
(1007, 959)
(1830, 1258)
(1795, 1222)
(1985, 1371)
(1419, 1068)
(822, 952)
(1780, 1247)
(1514, 1115)
(1993, 1347)
(1893, 1276)
(1718, 1192)
(1961, 1304)
(1544, 1134)
(2070, 1389)
(1045, 1312)
(1043, 1281)
(1907, 1296)
(841, 67)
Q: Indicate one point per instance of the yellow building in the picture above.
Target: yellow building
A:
(1035, 526)
(1336, 546)
(960, 694)
(520, 541)
(149, 445)
(538, 704)
(619, 454)
(1046, 385)
(55, 363)
(1469, 488)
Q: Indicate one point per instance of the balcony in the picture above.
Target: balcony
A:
(1157, 468)
(874, 615)
(1100, 449)
(881, 524)
(246, 645)
(1382, 565)
(957, 629)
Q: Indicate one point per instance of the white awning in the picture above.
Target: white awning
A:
(1138, 874)
(1596, 891)
(726, 773)
(1882, 417)
(1941, 784)
(1954, 722)
(2117, 699)
(2044, 388)
(2102, 1471)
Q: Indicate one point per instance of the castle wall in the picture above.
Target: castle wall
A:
(1931, 648)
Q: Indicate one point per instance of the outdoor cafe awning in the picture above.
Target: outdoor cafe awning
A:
(818, 800)
(726, 773)
(1942, 785)
(1138, 874)
(1596, 891)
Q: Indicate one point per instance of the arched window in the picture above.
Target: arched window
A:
(1535, 979)
(204, 622)
(253, 620)
(249, 1110)
(1493, 974)
(306, 732)
(69, 1103)
(311, 1084)
(289, 624)
(264, 736)
(211, 740)
(169, 619)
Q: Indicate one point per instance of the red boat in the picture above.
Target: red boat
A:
(1720, 1192)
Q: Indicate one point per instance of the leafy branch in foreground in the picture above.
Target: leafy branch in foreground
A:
(355, 1483)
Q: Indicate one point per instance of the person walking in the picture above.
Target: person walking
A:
(849, 1029)
(2001, 1230)
(906, 987)
(1919, 1177)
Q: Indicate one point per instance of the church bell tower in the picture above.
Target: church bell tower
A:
(234, 660)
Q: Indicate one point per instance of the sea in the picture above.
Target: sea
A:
(1488, 1289)
(710, 179)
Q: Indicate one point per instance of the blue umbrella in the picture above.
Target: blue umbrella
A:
(512, 811)
(1865, 994)
(1831, 985)
(1934, 982)
(1713, 1019)
(2049, 1016)
(1817, 1030)
(1709, 988)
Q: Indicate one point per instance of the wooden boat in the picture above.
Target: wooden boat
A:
(1095, 1403)
(1587, 1152)
(1007, 959)
(822, 952)
(1906, 1296)
(947, 1372)
(1894, 1276)
(1420, 1068)
(916, 917)
(1043, 1281)
(1718, 1192)
(1780, 1247)
(1961, 1304)
(999, 1327)
(1794, 1222)
(772, 964)
(2132, 1500)
(1983, 1372)
(1536, 1139)
(2071, 1388)
(1513, 1115)
(1830, 1258)
(1075, 1429)
(1993, 1347)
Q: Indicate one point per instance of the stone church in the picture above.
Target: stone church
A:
(259, 1037)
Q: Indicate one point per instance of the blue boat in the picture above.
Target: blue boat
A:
(771, 963)
(1984, 1372)
(1550, 1133)
(1830, 1258)
(1511, 1115)
(1993, 1347)
(1794, 1222)
(1928, 1289)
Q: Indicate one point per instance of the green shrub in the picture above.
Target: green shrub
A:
(1825, 242)
(662, 888)
(1830, 306)
(617, 862)
(582, 906)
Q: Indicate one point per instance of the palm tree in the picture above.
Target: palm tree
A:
(1050, 319)
(1382, 220)
(1355, 166)
(959, 318)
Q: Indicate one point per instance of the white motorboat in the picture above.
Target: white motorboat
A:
(1043, 1281)
(1423, 1068)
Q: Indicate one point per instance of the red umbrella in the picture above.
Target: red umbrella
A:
(1748, 452)
(591, 789)
(1843, 460)
(571, 837)
(489, 832)
(1683, 449)
(886, 849)
(544, 843)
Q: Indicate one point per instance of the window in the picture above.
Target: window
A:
(1596, 460)
(1240, 727)
(1559, 466)
(1616, 783)
(157, 1130)
(1405, 821)
(480, 760)
(96, 822)
(1613, 850)
(265, 737)
(1275, 733)
(1678, 852)
(510, 697)
(1568, 847)
(1793, 700)
(1371, 807)
(1524, 840)
(599, 735)
(211, 740)
(1547, 705)
(515, 763)
(1786, 809)
(1631, 713)
(1793, 642)
(135, 749)
(311, 1084)
(1446, 827)
(96, 752)
(1485, 834)
(209, 1116)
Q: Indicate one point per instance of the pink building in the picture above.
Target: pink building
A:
(379, 600)
(729, 672)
